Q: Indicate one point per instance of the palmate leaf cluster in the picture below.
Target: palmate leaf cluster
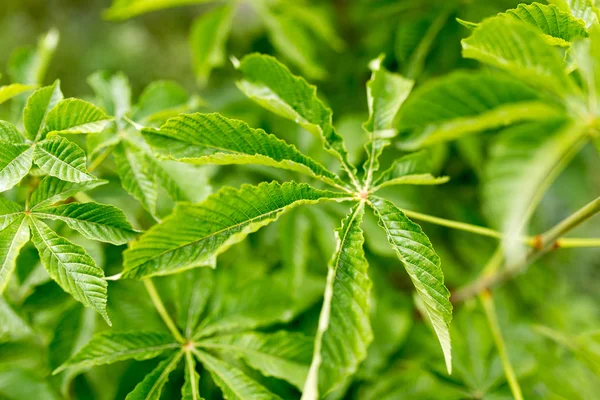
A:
(233, 307)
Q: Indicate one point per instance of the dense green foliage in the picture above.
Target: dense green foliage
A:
(261, 239)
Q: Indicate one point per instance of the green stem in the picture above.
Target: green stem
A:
(492, 318)
(565, 243)
(463, 226)
(162, 311)
(543, 243)
(98, 160)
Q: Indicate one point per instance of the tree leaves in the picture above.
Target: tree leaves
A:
(63, 159)
(214, 139)
(136, 176)
(559, 27)
(109, 347)
(15, 163)
(37, 108)
(519, 49)
(523, 162)
(95, 221)
(12, 239)
(123, 9)
(75, 116)
(344, 330)
(151, 387)
(272, 85)
(71, 267)
(423, 266)
(282, 354)
(385, 94)
(190, 389)
(233, 382)
(7, 92)
(195, 234)
(463, 103)
(51, 190)
(207, 40)
(411, 169)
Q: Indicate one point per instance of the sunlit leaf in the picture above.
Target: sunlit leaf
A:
(233, 382)
(51, 190)
(12, 239)
(273, 86)
(38, 107)
(110, 346)
(207, 40)
(15, 163)
(75, 116)
(464, 103)
(284, 355)
(214, 139)
(344, 330)
(7, 92)
(95, 221)
(151, 387)
(416, 253)
(63, 159)
(71, 267)
(196, 233)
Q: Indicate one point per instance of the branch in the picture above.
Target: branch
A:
(545, 242)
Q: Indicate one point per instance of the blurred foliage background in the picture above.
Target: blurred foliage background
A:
(550, 315)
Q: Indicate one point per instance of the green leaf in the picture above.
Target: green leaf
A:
(271, 84)
(15, 163)
(113, 93)
(585, 10)
(37, 108)
(520, 49)
(71, 267)
(12, 325)
(213, 139)
(151, 387)
(386, 92)
(558, 27)
(292, 39)
(161, 176)
(522, 164)
(207, 40)
(75, 327)
(194, 288)
(136, 175)
(161, 100)
(95, 221)
(12, 239)
(586, 54)
(109, 347)
(411, 169)
(233, 382)
(63, 159)
(190, 389)
(7, 92)
(344, 330)
(71, 116)
(9, 212)
(416, 253)
(123, 9)
(29, 65)
(284, 355)
(260, 303)
(10, 133)
(196, 233)
(463, 103)
(51, 190)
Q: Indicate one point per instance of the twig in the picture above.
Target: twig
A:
(545, 242)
